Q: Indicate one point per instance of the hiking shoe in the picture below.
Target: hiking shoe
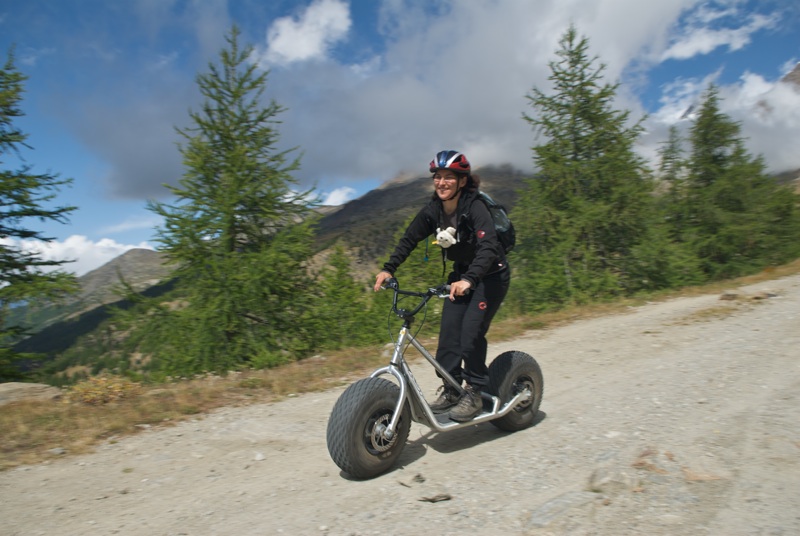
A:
(469, 405)
(448, 397)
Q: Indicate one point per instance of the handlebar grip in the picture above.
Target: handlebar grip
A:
(448, 287)
(391, 283)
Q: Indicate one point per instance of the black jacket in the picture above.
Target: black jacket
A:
(477, 252)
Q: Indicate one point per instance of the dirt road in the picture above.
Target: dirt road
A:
(680, 417)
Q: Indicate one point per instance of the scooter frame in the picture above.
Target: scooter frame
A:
(398, 368)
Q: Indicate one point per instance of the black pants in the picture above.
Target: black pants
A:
(465, 321)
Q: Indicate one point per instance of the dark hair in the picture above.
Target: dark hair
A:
(473, 182)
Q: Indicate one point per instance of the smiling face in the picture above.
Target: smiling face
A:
(447, 183)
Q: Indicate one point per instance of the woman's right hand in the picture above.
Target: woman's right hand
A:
(380, 278)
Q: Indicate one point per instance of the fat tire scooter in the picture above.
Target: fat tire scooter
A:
(369, 424)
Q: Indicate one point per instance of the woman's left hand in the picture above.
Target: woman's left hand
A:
(459, 288)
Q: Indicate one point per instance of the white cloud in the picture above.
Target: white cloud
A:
(707, 14)
(768, 113)
(309, 36)
(133, 224)
(457, 79)
(751, 89)
(86, 254)
(680, 97)
(448, 74)
(453, 75)
(339, 196)
(702, 39)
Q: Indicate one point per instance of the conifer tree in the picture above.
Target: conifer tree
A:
(25, 276)
(234, 231)
(580, 219)
(341, 315)
(736, 217)
(676, 262)
(672, 165)
(672, 174)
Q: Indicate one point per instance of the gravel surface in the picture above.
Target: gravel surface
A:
(681, 417)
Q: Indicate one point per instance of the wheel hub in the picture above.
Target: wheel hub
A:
(524, 384)
(376, 438)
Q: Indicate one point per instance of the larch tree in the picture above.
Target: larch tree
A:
(736, 217)
(26, 276)
(580, 219)
(239, 231)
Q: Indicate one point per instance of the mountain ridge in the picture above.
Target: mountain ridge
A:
(366, 224)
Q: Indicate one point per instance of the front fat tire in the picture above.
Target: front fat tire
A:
(509, 373)
(354, 440)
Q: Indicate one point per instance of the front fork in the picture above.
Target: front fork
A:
(399, 369)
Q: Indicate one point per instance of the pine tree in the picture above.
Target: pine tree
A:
(675, 263)
(580, 220)
(672, 174)
(25, 276)
(234, 231)
(736, 218)
(672, 165)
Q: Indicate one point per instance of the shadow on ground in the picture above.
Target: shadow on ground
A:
(455, 441)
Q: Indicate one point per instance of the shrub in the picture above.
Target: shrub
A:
(100, 390)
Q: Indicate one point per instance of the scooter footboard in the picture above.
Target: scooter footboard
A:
(442, 423)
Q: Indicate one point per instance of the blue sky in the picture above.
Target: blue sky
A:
(373, 88)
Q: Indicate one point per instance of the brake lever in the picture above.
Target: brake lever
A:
(442, 291)
(390, 283)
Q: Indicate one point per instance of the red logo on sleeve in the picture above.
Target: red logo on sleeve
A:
(481, 234)
(482, 306)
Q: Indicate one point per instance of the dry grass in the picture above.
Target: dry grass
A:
(33, 429)
(36, 431)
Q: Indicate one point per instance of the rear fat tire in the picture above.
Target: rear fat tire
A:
(355, 442)
(509, 374)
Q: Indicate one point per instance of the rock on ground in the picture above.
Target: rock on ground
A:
(14, 391)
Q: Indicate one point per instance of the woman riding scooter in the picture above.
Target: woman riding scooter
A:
(479, 279)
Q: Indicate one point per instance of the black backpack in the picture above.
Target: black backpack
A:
(502, 224)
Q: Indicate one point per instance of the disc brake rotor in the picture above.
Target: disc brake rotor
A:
(519, 386)
(374, 434)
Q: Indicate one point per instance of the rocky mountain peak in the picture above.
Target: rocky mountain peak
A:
(793, 77)
(141, 268)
